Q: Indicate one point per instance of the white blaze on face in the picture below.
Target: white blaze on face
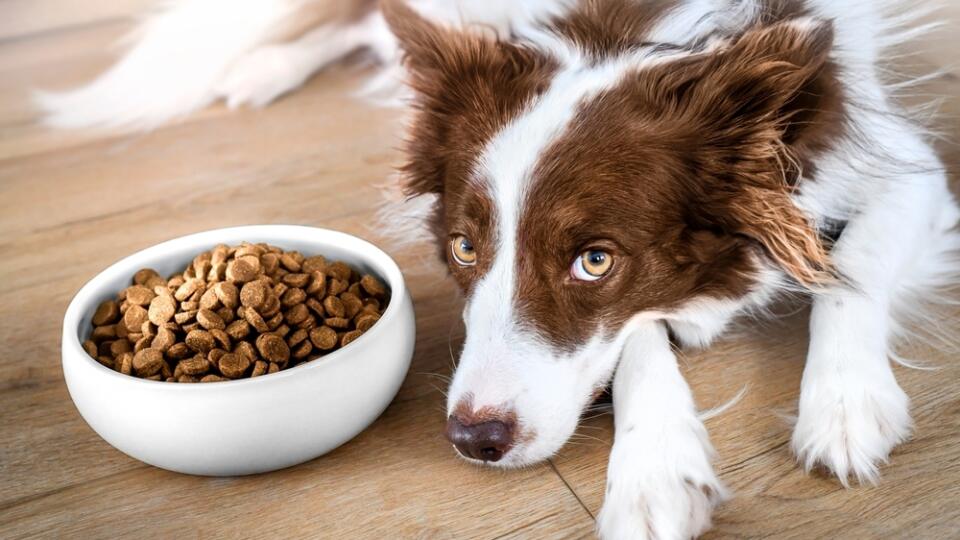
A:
(505, 364)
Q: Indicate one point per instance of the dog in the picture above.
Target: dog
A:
(606, 178)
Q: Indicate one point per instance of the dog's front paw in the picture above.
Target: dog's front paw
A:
(660, 492)
(850, 426)
(259, 77)
(662, 507)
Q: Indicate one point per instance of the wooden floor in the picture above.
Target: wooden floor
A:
(72, 203)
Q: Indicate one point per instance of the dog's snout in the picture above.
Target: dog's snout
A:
(485, 441)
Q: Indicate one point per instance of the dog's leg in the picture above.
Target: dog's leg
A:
(660, 482)
(267, 72)
(851, 411)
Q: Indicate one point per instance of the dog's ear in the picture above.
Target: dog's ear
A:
(466, 83)
(758, 107)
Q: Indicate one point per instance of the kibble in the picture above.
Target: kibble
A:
(232, 313)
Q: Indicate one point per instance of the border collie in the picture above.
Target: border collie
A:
(605, 178)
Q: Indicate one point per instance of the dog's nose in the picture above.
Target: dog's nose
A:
(486, 441)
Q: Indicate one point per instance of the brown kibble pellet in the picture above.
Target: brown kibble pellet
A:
(296, 280)
(333, 306)
(124, 364)
(313, 264)
(241, 271)
(233, 365)
(337, 322)
(259, 368)
(226, 314)
(336, 286)
(296, 314)
(324, 338)
(221, 336)
(296, 337)
(355, 290)
(228, 294)
(246, 349)
(164, 340)
(107, 313)
(144, 275)
(273, 348)
(139, 295)
(147, 362)
(178, 350)
(234, 312)
(372, 285)
(293, 297)
(107, 361)
(134, 318)
(339, 270)
(303, 350)
(316, 306)
(214, 355)
(269, 262)
(119, 347)
(253, 294)
(187, 290)
(349, 337)
(289, 262)
(210, 320)
(351, 304)
(238, 329)
(197, 365)
(308, 323)
(365, 322)
(318, 284)
(271, 307)
(148, 329)
(209, 299)
(199, 341)
(184, 317)
(255, 320)
(142, 343)
(162, 309)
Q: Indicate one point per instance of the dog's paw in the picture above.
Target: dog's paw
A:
(660, 491)
(849, 426)
(259, 77)
(660, 508)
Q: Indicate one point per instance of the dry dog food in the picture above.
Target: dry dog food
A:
(234, 312)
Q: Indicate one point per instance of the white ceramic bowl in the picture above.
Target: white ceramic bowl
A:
(251, 425)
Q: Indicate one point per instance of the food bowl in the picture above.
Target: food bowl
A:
(251, 425)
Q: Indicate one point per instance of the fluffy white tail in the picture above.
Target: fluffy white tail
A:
(179, 54)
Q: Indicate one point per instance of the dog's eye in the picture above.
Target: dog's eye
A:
(591, 265)
(462, 249)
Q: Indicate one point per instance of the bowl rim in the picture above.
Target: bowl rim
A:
(364, 249)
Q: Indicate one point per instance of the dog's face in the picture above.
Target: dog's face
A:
(577, 196)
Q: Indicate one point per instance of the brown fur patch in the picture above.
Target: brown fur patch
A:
(468, 86)
(681, 172)
(603, 28)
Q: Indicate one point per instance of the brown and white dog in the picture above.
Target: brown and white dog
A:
(603, 176)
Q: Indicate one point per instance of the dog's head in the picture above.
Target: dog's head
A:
(578, 192)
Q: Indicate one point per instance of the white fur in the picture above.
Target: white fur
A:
(660, 482)
(189, 53)
(180, 54)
